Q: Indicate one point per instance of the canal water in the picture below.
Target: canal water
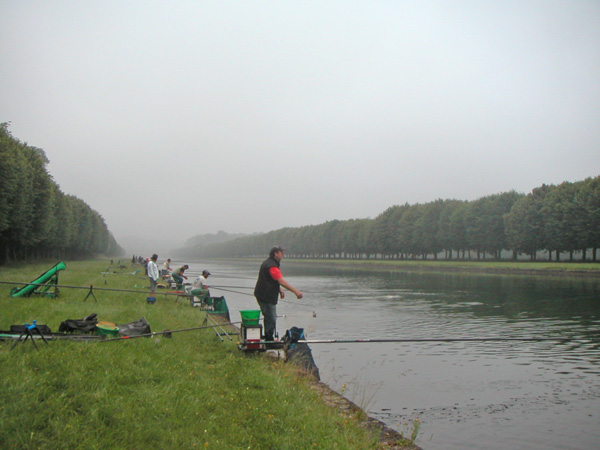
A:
(485, 395)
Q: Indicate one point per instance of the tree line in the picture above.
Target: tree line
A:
(37, 220)
(550, 221)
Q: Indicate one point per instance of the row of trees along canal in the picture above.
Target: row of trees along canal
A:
(37, 219)
(550, 221)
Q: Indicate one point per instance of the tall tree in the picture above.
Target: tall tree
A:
(485, 228)
(407, 239)
(457, 228)
(41, 208)
(524, 224)
(385, 230)
(587, 199)
(445, 236)
(427, 227)
(560, 214)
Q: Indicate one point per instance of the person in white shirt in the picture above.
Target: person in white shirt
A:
(153, 274)
(201, 280)
(201, 287)
(166, 267)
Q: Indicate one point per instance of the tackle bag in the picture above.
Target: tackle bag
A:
(85, 325)
(136, 328)
(293, 335)
(299, 353)
(44, 329)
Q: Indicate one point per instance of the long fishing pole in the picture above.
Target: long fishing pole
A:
(483, 339)
(55, 336)
(232, 287)
(220, 286)
(90, 287)
(218, 275)
(291, 301)
(168, 332)
(229, 290)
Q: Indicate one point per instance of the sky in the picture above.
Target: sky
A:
(173, 119)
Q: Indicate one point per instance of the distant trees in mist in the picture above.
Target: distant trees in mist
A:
(195, 245)
(37, 220)
(548, 222)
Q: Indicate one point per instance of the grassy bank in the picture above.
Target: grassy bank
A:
(189, 391)
(523, 267)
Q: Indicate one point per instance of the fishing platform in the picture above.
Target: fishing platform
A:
(252, 338)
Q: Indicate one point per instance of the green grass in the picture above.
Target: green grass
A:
(190, 391)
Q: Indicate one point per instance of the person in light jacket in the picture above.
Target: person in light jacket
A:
(153, 274)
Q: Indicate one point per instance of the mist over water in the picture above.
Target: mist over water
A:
(484, 395)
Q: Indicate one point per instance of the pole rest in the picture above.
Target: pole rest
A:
(91, 292)
(27, 333)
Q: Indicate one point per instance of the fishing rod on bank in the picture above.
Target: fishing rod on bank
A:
(233, 287)
(367, 341)
(91, 290)
(291, 301)
(90, 287)
(219, 275)
(426, 340)
(220, 288)
(223, 287)
(168, 333)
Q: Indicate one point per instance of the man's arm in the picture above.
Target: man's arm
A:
(289, 287)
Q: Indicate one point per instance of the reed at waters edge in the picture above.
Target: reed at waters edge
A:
(189, 391)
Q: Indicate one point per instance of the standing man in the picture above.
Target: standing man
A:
(153, 275)
(269, 288)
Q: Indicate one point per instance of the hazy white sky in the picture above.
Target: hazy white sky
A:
(179, 118)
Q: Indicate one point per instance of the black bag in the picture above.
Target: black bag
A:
(85, 325)
(135, 328)
(293, 335)
(44, 329)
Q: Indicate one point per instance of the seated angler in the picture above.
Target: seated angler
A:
(165, 271)
(200, 289)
